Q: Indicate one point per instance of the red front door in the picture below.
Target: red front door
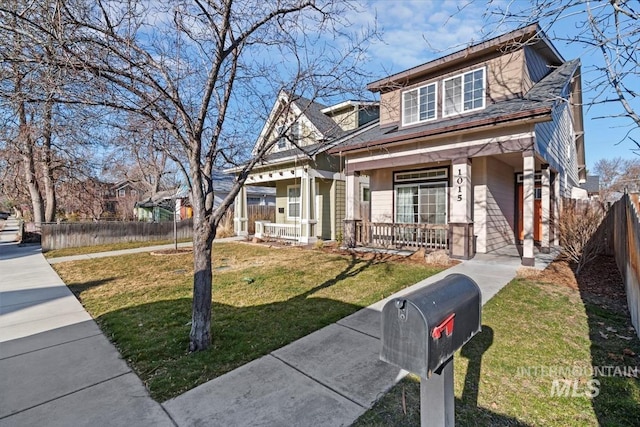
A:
(537, 213)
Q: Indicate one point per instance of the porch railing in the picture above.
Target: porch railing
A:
(265, 229)
(387, 235)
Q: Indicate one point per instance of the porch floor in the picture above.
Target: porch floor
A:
(512, 254)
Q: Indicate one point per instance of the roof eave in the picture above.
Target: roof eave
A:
(523, 34)
(540, 114)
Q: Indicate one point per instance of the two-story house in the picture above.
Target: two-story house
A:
(472, 152)
(309, 186)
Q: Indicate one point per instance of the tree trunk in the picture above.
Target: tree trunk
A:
(30, 165)
(203, 235)
(47, 165)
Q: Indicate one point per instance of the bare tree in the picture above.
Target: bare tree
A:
(607, 30)
(616, 175)
(201, 70)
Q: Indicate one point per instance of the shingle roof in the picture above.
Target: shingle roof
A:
(540, 98)
(313, 111)
(592, 185)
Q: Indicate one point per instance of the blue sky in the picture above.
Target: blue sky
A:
(418, 31)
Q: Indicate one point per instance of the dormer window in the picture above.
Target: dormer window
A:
(419, 104)
(464, 92)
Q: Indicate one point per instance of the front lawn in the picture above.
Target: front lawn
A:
(534, 334)
(263, 299)
(55, 253)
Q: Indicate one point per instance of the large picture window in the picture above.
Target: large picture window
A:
(419, 105)
(421, 203)
(293, 202)
(464, 92)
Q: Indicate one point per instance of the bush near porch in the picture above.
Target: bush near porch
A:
(263, 299)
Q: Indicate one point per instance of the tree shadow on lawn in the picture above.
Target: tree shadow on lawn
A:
(153, 338)
(614, 343)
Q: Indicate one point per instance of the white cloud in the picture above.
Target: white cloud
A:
(415, 32)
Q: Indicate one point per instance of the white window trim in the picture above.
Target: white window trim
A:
(281, 137)
(417, 89)
(441, 183)
(362, 188)
(299, 202)
(461, 76)
(443, 177)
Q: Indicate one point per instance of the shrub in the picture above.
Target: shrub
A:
(579, 221)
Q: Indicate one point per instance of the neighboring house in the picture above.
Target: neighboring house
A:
(121, 199)
(160, 206)
(592, 187)
(473, 151)
(308, 183)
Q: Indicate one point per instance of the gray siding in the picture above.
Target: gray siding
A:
(325, 209)
(537, 66)
(554, 141)
(340, 207)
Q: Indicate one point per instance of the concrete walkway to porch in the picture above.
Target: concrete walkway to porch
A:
(328, 378)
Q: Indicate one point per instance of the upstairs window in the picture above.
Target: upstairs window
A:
(282, 138)
(419, 105)
(464, 92)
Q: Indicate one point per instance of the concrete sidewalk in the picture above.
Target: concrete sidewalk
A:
(133, 251)
(328, 378)
(56, 367)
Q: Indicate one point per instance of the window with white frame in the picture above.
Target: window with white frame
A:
(282, 139)
(295, 132)
(365, 194)
(293, 201)
(421, 196)
(122, 192)
(419, 104)
(464, 92)
(421, 203)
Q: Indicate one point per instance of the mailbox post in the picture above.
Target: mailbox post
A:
(420, 333)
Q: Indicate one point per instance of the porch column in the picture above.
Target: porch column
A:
(460, 211)
(240, 215)
(528, 187)
(556, 209)
(546, 210)
(352, 211)
(308, 198)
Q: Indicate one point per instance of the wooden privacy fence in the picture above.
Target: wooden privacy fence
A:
(621, 229)
(77, 234)
(259, 213)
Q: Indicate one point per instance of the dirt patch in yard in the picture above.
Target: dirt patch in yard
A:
(599, 281)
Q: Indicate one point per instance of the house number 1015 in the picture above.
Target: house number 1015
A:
(459, 182)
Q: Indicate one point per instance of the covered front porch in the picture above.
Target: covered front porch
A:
(483, 204)
(308, 204)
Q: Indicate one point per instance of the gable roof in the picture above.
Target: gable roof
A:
(532, 34)
(303, 109)
(536, 104)
(313, 111)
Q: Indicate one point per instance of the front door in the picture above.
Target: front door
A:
(537, 212)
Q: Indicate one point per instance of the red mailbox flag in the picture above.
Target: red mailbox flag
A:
(446, 325)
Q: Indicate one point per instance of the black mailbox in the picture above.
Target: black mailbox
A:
(422, 330)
